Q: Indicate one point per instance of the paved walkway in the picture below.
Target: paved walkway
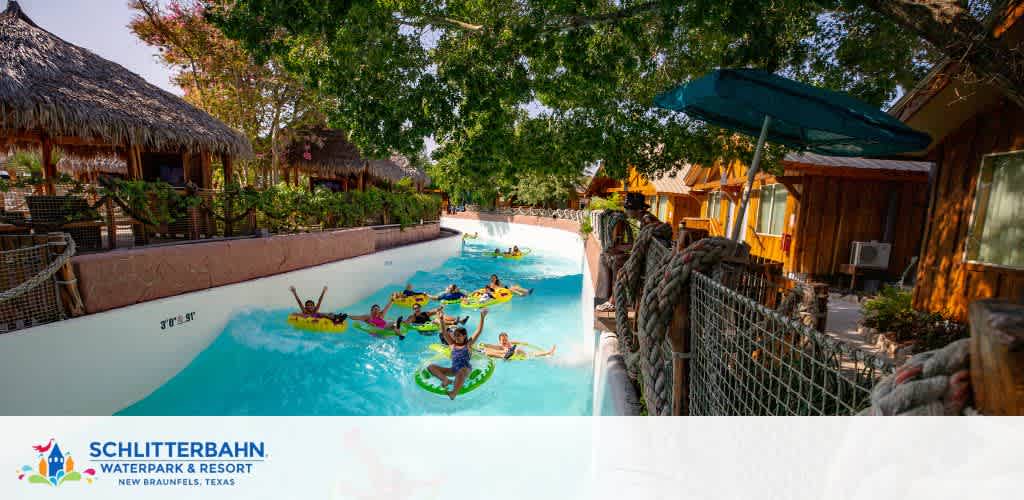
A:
(844, 316)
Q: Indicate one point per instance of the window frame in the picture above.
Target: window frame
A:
(973, 222)
(760, 199)
(716, 212)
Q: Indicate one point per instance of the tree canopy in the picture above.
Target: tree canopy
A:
(511, 89)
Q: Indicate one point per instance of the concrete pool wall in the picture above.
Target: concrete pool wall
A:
(101, 363)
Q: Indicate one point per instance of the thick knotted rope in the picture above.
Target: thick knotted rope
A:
(608, 222)
(931, 383)
(44, 274)
(666, 288)
(627, 287)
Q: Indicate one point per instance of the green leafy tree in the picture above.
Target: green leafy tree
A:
(258, 97)
(550, 86)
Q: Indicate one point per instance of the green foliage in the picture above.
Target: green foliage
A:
(891, 312)
(154, 203)
(613, 203)
(284, 208)
(516, 88)
(586, 227)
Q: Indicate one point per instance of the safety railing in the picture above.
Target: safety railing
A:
(30, 279)
(748, 359)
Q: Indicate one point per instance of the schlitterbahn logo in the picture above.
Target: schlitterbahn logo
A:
(54, 467)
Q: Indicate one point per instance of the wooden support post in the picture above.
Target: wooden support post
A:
(997, 356)
(134, 162)
(70, 297)
(229, 170)
(49, 167)
(111, 226)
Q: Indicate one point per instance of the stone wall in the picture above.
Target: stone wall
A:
(124, 277)
(390, 237)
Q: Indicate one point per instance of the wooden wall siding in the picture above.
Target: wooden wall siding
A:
(834, 212)
(946, 284)
(681, 207)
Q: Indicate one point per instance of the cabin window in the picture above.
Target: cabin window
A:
(715, 205)
(997, 236)
(662, 209)
(772, 210)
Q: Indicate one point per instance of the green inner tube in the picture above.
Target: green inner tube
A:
(368, 328)
(428, 328)
(483, 368)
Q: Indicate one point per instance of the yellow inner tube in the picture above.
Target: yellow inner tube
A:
(403, 301)
(498, 296)
(517, 256)
(316, 323)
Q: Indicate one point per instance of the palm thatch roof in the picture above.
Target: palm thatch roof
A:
(99, 164)
(328, 152)
(398, 167)
(54, 87)
(323, 152)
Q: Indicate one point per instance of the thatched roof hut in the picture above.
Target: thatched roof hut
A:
(323, 152)
(56, 88)
(328, 154)
(398, 167)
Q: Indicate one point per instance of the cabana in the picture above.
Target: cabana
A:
(329, 160)
(57, 95)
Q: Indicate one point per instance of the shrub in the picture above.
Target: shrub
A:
(613, 203)
(890, 312)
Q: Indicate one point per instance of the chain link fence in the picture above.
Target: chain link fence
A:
(747, 359)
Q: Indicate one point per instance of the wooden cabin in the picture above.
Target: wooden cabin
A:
(330, 161)
(808, 219)
(667, 194)
(973, 244)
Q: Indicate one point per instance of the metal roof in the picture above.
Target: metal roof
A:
(857, 162)
(672, 182)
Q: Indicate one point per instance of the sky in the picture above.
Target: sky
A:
(102, 27)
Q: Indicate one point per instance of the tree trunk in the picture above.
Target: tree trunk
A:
(951, 28)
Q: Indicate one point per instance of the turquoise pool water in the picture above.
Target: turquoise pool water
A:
(259, 365)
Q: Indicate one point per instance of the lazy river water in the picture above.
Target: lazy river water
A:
(259, 365)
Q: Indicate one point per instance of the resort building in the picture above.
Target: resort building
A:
(668, 195)
(824, 216)
(973, 238)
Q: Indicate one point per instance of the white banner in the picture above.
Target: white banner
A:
(453, 458)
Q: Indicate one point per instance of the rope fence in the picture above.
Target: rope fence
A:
(29, 279)
(748, 359)
(707, 330)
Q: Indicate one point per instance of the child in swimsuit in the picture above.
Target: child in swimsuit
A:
(376, 319)
(308, 308)
(451, 293)
(505, 348)
(461, 350)
(516, 289)
(408, 292)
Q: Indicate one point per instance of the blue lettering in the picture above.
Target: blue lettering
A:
(94, 449)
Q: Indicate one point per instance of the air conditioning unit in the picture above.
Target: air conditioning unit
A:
(870, 254)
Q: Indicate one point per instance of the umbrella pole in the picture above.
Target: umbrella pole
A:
(751, 173)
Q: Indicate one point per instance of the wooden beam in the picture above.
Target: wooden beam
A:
(49, 167)
(997, 356)
(229, 170)
(791, 182)
(857, 173)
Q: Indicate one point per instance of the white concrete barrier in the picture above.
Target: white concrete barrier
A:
(102, 363)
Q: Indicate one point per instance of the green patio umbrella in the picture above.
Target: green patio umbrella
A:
(787, 112)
